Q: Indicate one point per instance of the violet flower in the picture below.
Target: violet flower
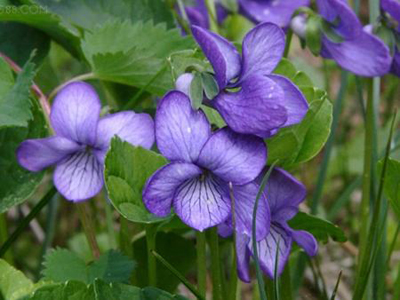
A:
(202, 163)
(81, 141)
(283, 193)
(278, 12)
(259, 103)
(392, 7)
(198, 14)
(360, 52)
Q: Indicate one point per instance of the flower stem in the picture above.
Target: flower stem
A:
(337, 108)
(201, 262)
(151, 232)
(77, 78)
(233, 279)
(88, 228)
(212, 15)
(289, 36)
(110, 225)
(215, 263)
(3, 237)
(25, 222)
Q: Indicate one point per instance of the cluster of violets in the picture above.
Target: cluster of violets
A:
(208, 167)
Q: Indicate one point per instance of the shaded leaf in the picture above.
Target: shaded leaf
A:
(210, 85)
(392, 183)
(13, 283)
(196, 91)
(126, 171)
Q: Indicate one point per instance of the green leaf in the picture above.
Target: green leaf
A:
(182, 256)
(62, 265)
(286, 68)
(321, 229)
(6, 78)
(331, 33)
(210, 85)
(18, 41)
(51, 24)
(196, 91)
(300, 143)
(13, 284)
(16, 183)
(88, 14)
(186, 61)
(213, 116)
(15, 106)
(137, 53)
(391, 186)
(126, 170)
(313, 34)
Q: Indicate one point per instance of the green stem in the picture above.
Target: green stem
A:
(110, 224)
(392, 245)
(151, 232)
(215, 263)
(286, 283)
(337, 108)
(201, 262)
(289, 36)
(212, 15)
(88, 228)
(25, 222)
(233, 279)
(3, 236)
(77, 78)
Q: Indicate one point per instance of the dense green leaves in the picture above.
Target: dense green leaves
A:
(137, 55)
(392, 184)
(13, 284)
(15, 105)
(321, 229)
(301, 142)
(127, 169)
(63, 265)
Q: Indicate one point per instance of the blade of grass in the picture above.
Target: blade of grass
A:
(373, 230)
(201, 262)
(25, 222)
(336, 286)
(178, 275)
(151, 232)
(276, 277)
(260, 279)
(216, 278)
(392, 245)
(286, 283)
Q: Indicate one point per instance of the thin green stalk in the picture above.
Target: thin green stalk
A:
(286, 283)
(260, 280)
(336, 286)
(3, 237)
(212, 15)
(215, 264)
(392, 245)
(337, 108)
(276, 277)
(289, 36)
(25, 222)
(269, 287)
(201, 262)
(374, 230)
(88, 228)
(175, 272)
(233, 279)
(125, 237)
(151, 232)
(77, 78)
(110, 224)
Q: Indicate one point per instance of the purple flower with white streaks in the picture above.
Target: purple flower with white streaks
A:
(392, 7)
(360, 52)
(283, 193)
(278, 12)
(81, 141)
(202, 163)
(251, 99)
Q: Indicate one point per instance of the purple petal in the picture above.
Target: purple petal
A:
(293, 100)
(233, 157)
(225, 230)
(366, 55)
(306, 241)
(245, 197)
(161, 186)
(183, 82)
(79, 176)
(137, 129)
(395, 69)
(268, 247)
(243, 257)
(75, 113)
(392, 7)
(284, 193)
(181, 132)
(255, 109)
(262, 50)
(196, 17)
(38, 154)
(222, 55)
(278, 12)
(349, 25)
(202, 202)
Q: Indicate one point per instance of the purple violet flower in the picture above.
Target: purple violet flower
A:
(278, 12)
(81, 141)
(392, 7)
(261, 103)
(202, 163)
(283, 193)
(198, 14)
(360, 52)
